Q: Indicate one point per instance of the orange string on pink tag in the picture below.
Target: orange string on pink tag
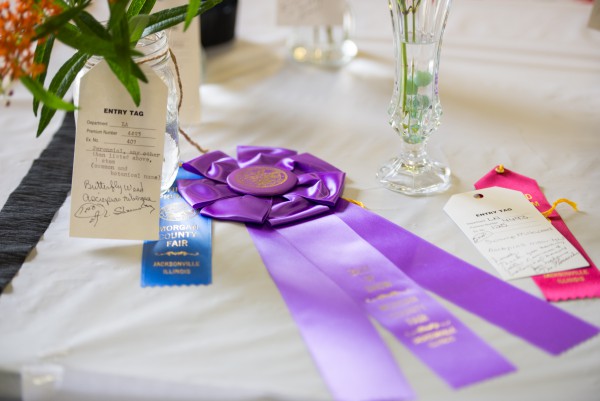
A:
(548, 212)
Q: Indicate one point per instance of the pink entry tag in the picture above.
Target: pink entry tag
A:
(560, 286)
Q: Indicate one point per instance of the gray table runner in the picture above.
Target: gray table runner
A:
(31, 207)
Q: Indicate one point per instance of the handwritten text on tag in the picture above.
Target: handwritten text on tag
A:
(118, 158)
(511, 233)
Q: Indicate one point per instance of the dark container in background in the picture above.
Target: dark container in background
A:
(217, 25)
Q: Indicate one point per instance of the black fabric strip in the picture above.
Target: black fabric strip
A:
(31, 207)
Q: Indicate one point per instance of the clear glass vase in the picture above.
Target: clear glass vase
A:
(155, 54)
(324, 45)
(415, 108)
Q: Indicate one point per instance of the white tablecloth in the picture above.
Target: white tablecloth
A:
(519, 84)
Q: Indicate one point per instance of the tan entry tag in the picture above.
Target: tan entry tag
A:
(118, 158)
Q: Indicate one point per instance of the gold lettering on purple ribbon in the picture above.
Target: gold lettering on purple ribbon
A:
(383, 296)
(357, 271)
(434, 334)
(402, 303)
(399, 303)
(368, 277)
(418, 319)
(382, 285)
(441, 341)
(413, 310)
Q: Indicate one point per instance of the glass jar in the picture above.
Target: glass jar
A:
(324, 45)
(155, 54)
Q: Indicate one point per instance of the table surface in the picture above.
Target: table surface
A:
(519, 84)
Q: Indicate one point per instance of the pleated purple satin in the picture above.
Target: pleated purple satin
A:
(318, 189)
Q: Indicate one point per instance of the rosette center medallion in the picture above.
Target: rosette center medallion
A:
(261, 180)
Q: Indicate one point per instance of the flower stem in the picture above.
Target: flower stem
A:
(403, 54)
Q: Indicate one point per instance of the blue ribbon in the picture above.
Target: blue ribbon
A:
(183, 254)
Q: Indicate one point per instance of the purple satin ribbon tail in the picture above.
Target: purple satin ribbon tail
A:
(351, 356)
(417, 320)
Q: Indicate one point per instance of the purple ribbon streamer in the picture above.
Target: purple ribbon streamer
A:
(432, 333)
(351, 356)
(516, 311)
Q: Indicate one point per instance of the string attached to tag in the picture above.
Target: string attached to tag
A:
(556, 203)
(181, 131)
(500, 170)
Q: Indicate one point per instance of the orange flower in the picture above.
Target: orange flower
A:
(17, 30)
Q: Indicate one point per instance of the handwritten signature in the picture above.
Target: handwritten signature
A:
(91, 211)
(95, 211)
(123, 210)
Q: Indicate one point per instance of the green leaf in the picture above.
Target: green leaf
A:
(137, 72)
(72, 36)
(128, 80)
(118, 11)
(123, 49)
(121, 40)
(138, 7)
(60, 84)
(56, 22)
(46, 97)
(164, 19)
(191, 12)
(43, 50)
(62, 3)
(91, 26)
(137, 24)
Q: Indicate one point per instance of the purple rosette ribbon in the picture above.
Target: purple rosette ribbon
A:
(264, 185)
(336, 265)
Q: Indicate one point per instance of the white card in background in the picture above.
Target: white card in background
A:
(186, 47)
(118, 157)
(310, 12)
(511, 233)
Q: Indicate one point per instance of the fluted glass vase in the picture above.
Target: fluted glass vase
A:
(415, 108)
